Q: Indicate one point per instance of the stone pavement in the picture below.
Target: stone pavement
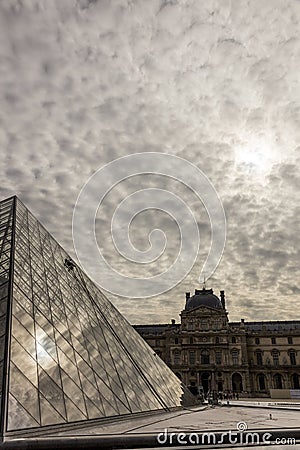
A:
(267, 403)
(202, 418)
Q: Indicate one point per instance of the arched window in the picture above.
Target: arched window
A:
(191, 340)
(277, 381)
(176, 340)
(233, 339)
(217, 340)
(237, 382)
(205, 357)
(257, 341)
(295, 381)
(292, 355)
(261, 382)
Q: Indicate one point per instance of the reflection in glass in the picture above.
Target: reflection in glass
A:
(18, 417)
(23, 391)
(73, 356)
(49, 415)
(24, 361)
(52, 392)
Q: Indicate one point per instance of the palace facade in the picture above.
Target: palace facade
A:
(209, 353)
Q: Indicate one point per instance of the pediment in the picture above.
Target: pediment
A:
(204, 310)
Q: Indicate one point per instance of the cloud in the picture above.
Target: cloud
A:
(84, 82)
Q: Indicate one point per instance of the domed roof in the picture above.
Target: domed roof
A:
(203, 297)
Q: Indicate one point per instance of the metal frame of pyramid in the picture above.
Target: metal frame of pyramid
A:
(67, 356)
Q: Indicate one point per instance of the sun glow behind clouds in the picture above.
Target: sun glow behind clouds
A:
(256, 156)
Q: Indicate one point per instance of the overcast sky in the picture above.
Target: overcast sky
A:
(215, 82)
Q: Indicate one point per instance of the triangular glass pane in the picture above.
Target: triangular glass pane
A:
(73, 413)
(24, 391)
(52, 392)
(73, 391)
(68, 366)
(24, 361)
(23, 335)
(18, 417)
(3, 305)
(49, 415)
(93, 411)
(45, 343)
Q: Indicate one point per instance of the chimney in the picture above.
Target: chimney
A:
(222, 295)
(173, 321)
(187, 295)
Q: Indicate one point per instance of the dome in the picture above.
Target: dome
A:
(203, 297)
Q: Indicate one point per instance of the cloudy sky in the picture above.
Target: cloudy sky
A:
(83, 82)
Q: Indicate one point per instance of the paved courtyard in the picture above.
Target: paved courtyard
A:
(274, 415)
(222, 426)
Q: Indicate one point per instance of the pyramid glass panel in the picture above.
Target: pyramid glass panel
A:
(67, 353)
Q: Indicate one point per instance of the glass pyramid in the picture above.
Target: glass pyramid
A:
(66, 353)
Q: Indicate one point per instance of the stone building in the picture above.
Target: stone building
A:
(209, 353)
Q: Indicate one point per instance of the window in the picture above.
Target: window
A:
(233, 340)
(290, 340)
(273, 340)
(295, 381)
(218, 358)
(217, 340)
(275, 355)
(176, 340)
(293, 358)
(205, 357)
(235, 357)
(259, 360)
(190, 326)
(278, 381)
(177, 357)
(257, 341)
(192, 356)
(191, 340)
(261, 382)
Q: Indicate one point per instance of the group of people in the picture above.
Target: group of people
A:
(214, 397)
(229, 395)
